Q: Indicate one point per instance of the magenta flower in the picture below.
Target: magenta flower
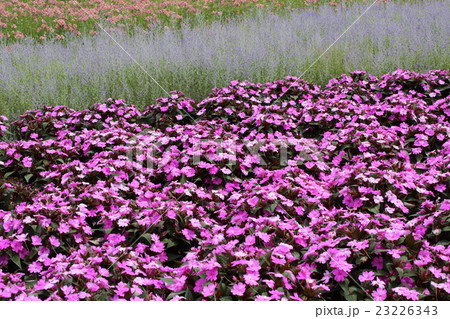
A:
(27, 161)
(92, 287)
(35, 267)
(379, 294)
(238, 289)
(121, 289)
(251, 278)
(339, 274)
(366, 276)
(209, 290)
(189, 234)
(226, 171)
(123, 222)
(199, 284)
(64, 228)
(378, 263)
(188, 171)
(253, 201)
(408, 293)
(36, 241)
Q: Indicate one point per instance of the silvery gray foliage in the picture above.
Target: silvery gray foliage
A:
(263, 48)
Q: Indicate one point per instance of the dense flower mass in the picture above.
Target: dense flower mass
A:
(275, 191)
(56, 18)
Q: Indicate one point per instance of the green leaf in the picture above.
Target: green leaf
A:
(409, 241)
(8, 174)
(169, 242)
(351, 297)
(189, 295)
(173, 294)
(171, 256)
(226, 298)
(31, 283)
(148, 238)
(375, 209)
(102, 297)
(27, 177)
(168, 280)
(15, 259)
(271, 207)
(380, 272)
(289, 276)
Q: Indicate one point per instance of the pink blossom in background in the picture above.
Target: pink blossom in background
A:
(27, 161)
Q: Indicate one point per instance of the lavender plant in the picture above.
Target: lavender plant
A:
(260, 49)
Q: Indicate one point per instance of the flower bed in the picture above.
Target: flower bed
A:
(58, 18)
(276, 191)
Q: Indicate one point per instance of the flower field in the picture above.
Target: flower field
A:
(278, 191)
(84, 70)
(55, 19)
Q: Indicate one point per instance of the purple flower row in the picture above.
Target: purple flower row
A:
(276, 191)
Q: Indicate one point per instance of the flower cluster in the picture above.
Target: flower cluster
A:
(3, 126)
(275, 191)
(74, 17)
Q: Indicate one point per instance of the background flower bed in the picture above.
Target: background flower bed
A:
(261, 48)
(360, 210)
(44, 19)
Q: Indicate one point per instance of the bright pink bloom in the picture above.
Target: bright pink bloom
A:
(208, 290)
(27, 161)
(238, 289)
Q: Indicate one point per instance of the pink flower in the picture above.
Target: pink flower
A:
(27, 161)
(378, 263)
(253, 201)
(36, 241)
(92, 287)
(35, 267)
(251, 278)
(408, 293)
(226, 171)
(189, 234)
(157, 247)
(275, 294)
(199, 285)
(106, 170)
(262, 298)
(379, 294)
(339, 274)
(63, 228)
(238, 289)
(188, 171)
(396, 253)
(264, 236)
(366, 276)
(123, 222)
(121, 289)
(208, 290)
(253, 265)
